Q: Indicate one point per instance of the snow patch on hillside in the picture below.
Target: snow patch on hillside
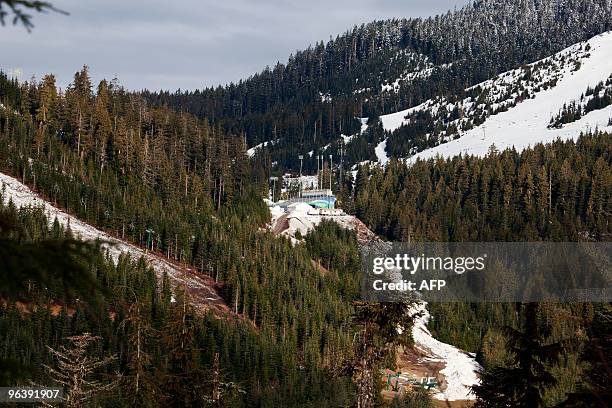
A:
(199, 288)
(255, 149)
(381, 152)
(461, 369)
(521, 120)
(325, 98)
(423, 68)
(299, 220)
(527, 124)
(346, 139)
(364, 124)
(394, 121)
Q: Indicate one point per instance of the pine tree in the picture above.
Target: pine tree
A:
(222, 393)
(381, 327)
(141, 382)
(184, 379)
(523, 381)
(594, 387)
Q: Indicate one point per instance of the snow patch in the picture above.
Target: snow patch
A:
(253, 150)
(461, 369)
(364, 125)
(526, 124)
(518, 119)
(300, 218)
(346, 139)
(381, 153)
(325, 98)
(22, 196)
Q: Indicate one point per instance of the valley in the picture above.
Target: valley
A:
(207, 246)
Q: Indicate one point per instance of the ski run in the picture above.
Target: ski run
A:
(198, 287)
(525, 122)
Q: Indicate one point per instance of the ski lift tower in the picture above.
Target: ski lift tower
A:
(150, 233)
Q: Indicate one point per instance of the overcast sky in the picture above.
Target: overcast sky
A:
(188, 44)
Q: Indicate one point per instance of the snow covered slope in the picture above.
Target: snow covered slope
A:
(520, 104)
(460, 368)
(251, 152)
(200, 288)
(381, 154)
(298, 219)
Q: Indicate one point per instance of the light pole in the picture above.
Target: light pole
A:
(322, 171)
(301, 157)
(318, 174)
(341, 162)
(331, 167)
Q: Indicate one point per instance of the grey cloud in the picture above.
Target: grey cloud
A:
(158, 44)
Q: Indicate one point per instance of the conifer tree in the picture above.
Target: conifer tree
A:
(141, 383)
(381, 327)
(183, 378)
(522, 382)
(593, 389)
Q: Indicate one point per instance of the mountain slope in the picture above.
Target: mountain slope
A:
(517, 118)
(383, 67)
(459, 369)
(201, 289)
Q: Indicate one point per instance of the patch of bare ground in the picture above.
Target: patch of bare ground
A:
(319, 267)
(280, 225)
(364, 234)
(413, 364)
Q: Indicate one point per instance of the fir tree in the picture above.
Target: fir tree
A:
(522, 383)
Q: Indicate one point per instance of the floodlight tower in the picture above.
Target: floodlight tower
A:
(322, 171)
(318, 160)
(341, 161)
(331, 167)
(301, 157)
